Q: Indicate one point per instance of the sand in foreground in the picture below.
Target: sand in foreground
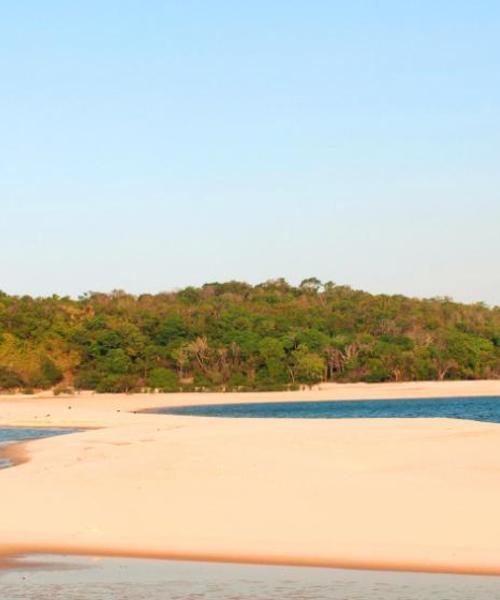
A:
(408, 494)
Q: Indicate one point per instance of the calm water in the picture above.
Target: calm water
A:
(9, 435)
(484, 408)
(71, 578)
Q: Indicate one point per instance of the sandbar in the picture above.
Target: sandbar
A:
(404, 494)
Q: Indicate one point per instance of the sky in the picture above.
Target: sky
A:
(148, 146)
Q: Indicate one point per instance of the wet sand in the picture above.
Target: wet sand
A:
(135, 579)
(404, 494)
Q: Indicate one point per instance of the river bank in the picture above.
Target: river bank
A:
(403, 494)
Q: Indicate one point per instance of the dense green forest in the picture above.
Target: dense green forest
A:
(234, 336)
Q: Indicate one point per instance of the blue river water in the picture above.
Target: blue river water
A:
(483, 408)
(18, 434)
(10, 435)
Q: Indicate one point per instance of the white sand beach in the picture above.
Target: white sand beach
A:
(416, 494)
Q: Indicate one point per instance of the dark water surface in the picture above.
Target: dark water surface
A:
(483, 408)
(10, 435)
(72, 578)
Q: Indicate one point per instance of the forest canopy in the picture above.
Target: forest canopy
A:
(235, 336)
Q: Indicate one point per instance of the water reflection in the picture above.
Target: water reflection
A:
(71, 578)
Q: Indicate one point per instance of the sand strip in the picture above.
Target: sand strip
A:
(419, 494)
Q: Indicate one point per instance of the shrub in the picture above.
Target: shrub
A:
(87, 380)
(61, 389)
(51, 374)
(9, 379)
(117, 384)
(163, 379)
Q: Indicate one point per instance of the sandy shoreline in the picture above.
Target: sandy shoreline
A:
(15, 454)
(418, 494)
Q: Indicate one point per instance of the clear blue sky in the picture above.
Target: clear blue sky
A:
(152, 145)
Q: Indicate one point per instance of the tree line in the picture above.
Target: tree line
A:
(235, 336)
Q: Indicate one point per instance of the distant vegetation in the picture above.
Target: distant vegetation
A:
(234, 336)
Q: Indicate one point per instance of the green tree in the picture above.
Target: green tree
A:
(308, 367)
(236, 336)
(163, 379)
